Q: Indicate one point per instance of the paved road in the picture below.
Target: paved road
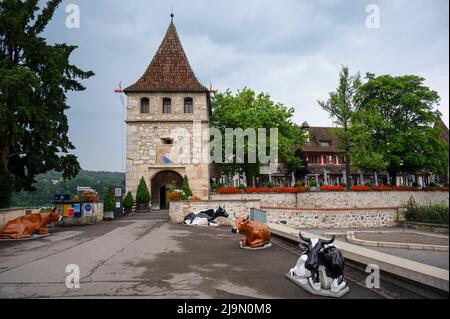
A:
(147, 257)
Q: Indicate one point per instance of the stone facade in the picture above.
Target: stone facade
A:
(147, 133)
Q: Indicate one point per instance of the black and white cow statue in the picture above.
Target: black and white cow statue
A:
(206, 217)
(320, 270)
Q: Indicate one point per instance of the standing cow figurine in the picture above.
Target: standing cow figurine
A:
(320, 270)
(206, 217)
(257, 235)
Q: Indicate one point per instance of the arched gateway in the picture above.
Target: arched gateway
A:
(160, 185)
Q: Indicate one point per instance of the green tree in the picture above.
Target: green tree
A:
(142, 195)
(128, 201)
(248, 110)
(34, 80)
(395, 126)
(341, 106)
(186, 188)
(109, 201)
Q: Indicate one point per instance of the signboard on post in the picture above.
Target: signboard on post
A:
(77, 210)
(88, 209)
(84, 189)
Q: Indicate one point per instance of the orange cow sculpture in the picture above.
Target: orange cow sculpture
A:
(26, 226)
(257, 235)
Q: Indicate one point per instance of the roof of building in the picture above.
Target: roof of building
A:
(444, 130)
(319, 135)
(169, 71)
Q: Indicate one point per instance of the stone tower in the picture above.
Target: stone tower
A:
(168, 107)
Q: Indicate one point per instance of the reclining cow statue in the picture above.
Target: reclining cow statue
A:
(320, 270)
(28, 226)
(206, 217)
(257, 235)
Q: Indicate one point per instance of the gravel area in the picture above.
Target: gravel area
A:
(409, 238)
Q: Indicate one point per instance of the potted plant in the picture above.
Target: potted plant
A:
(109, 205)
(314, 186)
(143, 196)
(128, 203)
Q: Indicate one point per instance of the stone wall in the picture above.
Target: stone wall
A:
(12, 213)
(336, 209)
(329, 219)
(179, 210)
(338, 199)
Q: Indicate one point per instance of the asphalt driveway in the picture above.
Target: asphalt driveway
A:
(144, 256)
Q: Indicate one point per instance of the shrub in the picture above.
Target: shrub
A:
(332, 188)
(383, 189)
(270, 185)
(431, 213)
(361, 188)
(214, 186)
(313, 184)
(109, 201)
(128, 201)
(258, 190)
(437, 189)
(172, 186)
(343, 185)
(229, 190)
(242, 187)
(176, 196)
(186, 188)
(90, 197)
(142, 195)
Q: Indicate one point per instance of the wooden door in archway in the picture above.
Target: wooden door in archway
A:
(160, 188)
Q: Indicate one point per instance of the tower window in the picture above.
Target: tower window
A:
(188, 105)
(145, 105)
(167, 106)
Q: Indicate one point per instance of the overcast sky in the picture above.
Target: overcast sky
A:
(291, 49)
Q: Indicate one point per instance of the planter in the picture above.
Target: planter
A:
(143, 207)
(108, 216)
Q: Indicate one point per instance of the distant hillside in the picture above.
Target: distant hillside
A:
(52, 183)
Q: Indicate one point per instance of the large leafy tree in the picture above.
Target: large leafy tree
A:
(34, 79)
(394, 126)
(248, 110)
(341, 106)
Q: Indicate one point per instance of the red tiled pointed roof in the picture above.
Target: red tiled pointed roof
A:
(169, 70)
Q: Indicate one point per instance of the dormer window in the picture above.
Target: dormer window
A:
(167, 106)
(188, 105)
(325, 143)
(145, 105)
